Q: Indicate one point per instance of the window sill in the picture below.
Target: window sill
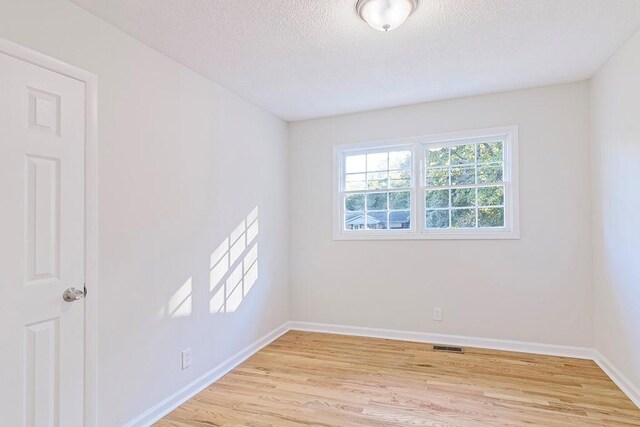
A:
(481, 235)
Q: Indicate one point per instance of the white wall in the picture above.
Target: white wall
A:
(536, 289)
(182, 161)
(615, 92)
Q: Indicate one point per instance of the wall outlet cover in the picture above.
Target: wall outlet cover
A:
(186, 358)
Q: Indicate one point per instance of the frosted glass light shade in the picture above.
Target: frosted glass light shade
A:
(385, 15)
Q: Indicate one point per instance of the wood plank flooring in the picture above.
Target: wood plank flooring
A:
(331, 380)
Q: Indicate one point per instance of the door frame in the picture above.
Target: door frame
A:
(91, 212)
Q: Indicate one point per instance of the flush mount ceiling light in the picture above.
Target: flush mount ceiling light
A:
(385, 15)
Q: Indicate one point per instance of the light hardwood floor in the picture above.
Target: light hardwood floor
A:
(331, 380)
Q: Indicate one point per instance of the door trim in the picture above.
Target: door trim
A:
(91, 212)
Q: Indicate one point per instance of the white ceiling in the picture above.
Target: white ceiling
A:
(301, 59)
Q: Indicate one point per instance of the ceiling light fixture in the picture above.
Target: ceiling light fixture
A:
(385, 15)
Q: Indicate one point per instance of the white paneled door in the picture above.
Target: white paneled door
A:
(42, 211)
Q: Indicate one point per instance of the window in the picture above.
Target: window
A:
(377, 190)
(464, 185)
(456, 186)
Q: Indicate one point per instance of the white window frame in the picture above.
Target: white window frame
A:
(417, 146)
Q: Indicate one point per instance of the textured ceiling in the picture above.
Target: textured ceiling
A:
(309, 58)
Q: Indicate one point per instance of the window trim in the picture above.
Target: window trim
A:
(417, 145)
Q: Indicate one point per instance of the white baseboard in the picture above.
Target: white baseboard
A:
(170, 403)
(617, 377)
(488, 343)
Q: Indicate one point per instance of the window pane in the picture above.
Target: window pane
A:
(437, 198)
(463, 154)
(399, 220)
(463, 218)
(377, 162)
(377, 185)
(377, 201)
(355, 182)
(463, 197)
(489, 173)
(399, 183)
(491, 196)
(401, 174)
(377, 180)
(437, 177)
(463, 175)
(400, 179)
(437, 156)
(491, 217)
(377, 220)
(355, 164)
(490, 152)
(354, 221)
(438, 219)
(400, 160)
(399, 200)
(354, 202)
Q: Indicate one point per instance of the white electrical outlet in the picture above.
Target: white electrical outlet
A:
(437, 314)
(186, 358)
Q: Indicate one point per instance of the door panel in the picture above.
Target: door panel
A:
(42, 196)
(42, 136)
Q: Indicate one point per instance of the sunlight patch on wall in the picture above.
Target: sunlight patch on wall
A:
(234, 266)
(219, 263)
(180, 302)
(250, 265)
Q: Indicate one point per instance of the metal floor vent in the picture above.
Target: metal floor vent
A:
(448, 349)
